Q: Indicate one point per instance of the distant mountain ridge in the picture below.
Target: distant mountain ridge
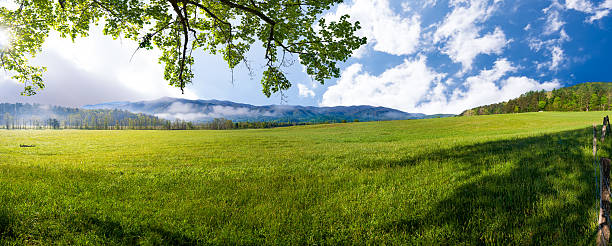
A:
(207, 110)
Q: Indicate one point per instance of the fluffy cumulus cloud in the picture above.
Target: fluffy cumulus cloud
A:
(493, 85)
(462, 35)
(461, 32)
(386, 30)
(464, 47)
(413, 87)
(401, 87)
(580, 5)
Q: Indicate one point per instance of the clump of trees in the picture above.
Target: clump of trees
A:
(35, 116)
(225, 124)
(581, 97)
(53, 123)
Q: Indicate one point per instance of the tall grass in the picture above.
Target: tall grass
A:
(500, 179)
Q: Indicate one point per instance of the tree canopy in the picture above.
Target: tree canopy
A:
(288, 30)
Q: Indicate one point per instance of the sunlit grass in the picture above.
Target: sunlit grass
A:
(505, 179)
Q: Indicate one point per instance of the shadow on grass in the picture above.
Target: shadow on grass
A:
(6, 224)
(112, 231)
(530, 190)
(521, 191)
(107, 231)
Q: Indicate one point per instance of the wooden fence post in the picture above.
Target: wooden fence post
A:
(603, 232)
(608, 123)
(604, 127)
(603, 132)
(594, 141)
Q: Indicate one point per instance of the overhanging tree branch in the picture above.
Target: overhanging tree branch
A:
(250, 10)
(183, 20)
(230, 27)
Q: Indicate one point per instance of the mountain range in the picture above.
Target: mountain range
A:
(207, 110)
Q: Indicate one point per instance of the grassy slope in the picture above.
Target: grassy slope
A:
(520, 179)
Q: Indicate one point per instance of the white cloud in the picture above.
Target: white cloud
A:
(304, 91)
(460, 32)
(497, 89)
(414, 87)
(464, 47)
(94, 70)
(178, 107)
(429, 3)
(488, 87)
(191, 112)
(557, 57)
(585, 6)
(4, 39)
(386, 30)
(599, 14)
(141, 73)
(554, 22)
(602, 11)
(579, 5)
(408, 6)
(536, 44)
(10, 5)
(401, 87)
(464, 18)
(554, 25)
(527, 27)
(67, 85)
(554, 46)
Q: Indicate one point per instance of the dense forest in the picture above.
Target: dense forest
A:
(594, 96)
(35, 116)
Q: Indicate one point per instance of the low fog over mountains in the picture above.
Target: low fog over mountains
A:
(207, 110)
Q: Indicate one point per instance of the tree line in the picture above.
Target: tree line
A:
(35, 116)
(594, 96)
(224, 124)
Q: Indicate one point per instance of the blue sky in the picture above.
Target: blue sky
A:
(425, 56)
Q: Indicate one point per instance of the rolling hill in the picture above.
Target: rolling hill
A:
(591, 96)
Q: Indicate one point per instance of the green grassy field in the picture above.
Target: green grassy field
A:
(504, 179)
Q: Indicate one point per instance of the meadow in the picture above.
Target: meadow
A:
(497, 179)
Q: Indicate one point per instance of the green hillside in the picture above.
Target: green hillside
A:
(498, 179)
(593, 96)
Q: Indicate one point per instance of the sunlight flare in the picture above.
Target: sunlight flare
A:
(5, 39)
